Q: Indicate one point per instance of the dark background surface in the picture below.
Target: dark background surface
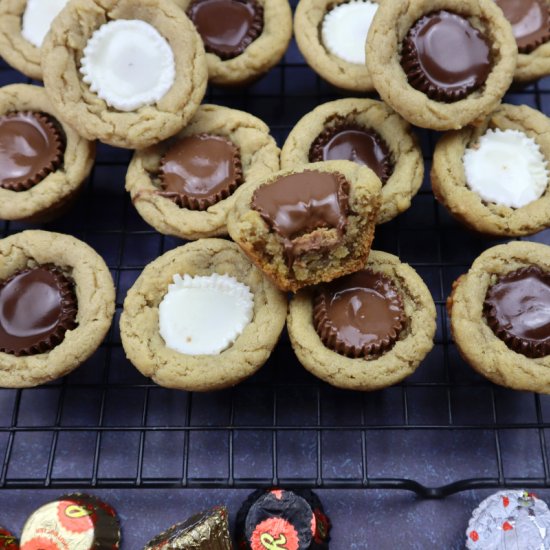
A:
(160, 455)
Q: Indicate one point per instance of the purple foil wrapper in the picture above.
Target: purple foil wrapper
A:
(510, 520)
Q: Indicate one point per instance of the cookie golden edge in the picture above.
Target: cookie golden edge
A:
(390, 26)
(259, 158)
(414, 343)
(404, 183)
(449, 179)
(95, 294)
(244, 222)
(139, 323)
(476, 342)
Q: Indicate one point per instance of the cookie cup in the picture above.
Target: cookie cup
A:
(259, 158)
(408, 172)
(370, 373)
(533, 65)
(139, 323)
(16, 50)
(449, 178)
(62, 52)
(474, 338)
(56, 192)
(266, 249)
(95, 294)
(390, 26)
(261, 55)
(308, 21)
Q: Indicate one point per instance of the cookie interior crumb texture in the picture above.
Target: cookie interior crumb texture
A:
(321, 253)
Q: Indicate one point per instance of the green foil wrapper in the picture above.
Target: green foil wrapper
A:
(203, 531)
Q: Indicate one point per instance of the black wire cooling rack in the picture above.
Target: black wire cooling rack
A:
(444, 430)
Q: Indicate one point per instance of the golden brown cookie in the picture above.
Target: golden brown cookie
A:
(499, 315)
(58, 299)
(307, 225)
(340, 348)
(331, 36)
(55, 171)
(181, 205)
(470, 66)
(505, 158)
(23, 25)
(243, 39)
(530, 20)
(141, 319)
(145, 90)
(368, 132)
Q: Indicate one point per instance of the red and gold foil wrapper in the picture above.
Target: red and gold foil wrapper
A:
(203, 531)
(74, 522)
(7, 540)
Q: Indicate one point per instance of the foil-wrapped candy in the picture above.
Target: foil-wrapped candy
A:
(510, 520)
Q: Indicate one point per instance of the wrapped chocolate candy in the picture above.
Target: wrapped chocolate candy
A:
(203, 531)
(510, 520)
(7, 540)
(74, 521)
(278, 518)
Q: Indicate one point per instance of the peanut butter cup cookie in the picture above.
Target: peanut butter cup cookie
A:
(201, 317)
(23, 27)
(369, 133)
(493, 177)
(500, 315)
(530, 20)
(43, 162)
(310, 224)
(367, 330)
(185, 185)
(243, 39)
(331, 36)
(127, 73)
(57, 301)
(441, 64)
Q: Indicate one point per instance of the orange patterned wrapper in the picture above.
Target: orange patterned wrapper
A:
(74, 522)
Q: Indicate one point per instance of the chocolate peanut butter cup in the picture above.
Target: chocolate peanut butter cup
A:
(227, 27)
(37, 306)
(349, 141)
(359, 315)
(530, 20)
(297, 205)
(445, 57)
(199, 171)
(517, 308)
(31, 147)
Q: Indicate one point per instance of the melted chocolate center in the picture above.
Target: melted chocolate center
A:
(530, 20)
(36, 308)
(517, 308)
(199, 171)
(445, 57)
(359, 314)
(352, 142)
(30, 148)
(297, 205)
(227, 27)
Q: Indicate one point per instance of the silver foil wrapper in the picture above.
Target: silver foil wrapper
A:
(203, 531)
(510, 520)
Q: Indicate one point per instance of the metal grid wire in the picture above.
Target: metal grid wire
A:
(445, 429)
